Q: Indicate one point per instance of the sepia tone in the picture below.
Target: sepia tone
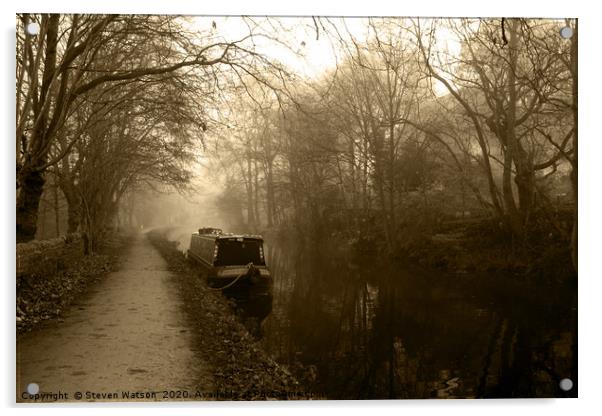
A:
(294, 208)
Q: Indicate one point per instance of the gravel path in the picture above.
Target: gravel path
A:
(129, 333)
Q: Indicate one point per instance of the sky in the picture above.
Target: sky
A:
(312, 52)
(307, 55)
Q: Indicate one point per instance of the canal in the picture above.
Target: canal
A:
(373, 329)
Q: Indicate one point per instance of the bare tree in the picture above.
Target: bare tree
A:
(506, 95)
(57, 71)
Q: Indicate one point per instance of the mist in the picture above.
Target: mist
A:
(179, 214)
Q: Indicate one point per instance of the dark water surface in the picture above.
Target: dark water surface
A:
(364, 329)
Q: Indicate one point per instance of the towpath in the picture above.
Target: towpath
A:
(129, 333)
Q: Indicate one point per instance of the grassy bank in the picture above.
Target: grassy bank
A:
(482, 247)
(40, 298)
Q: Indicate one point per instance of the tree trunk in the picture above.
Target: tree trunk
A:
(353, 173)
(366, 200)
(515, 153)
(391, 179)
(256, 183)
(73, 202)
(28, 202)
(270, 194)
(55, 191)
(251, 217)
(525, 183)
(512, 217)
(382, 201)
(30, 180)
(73, 216)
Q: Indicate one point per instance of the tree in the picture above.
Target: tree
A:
(506, 94)
(374, 91)
(58, 70)
(142, 142)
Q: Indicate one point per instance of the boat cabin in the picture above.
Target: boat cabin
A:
(230, 260)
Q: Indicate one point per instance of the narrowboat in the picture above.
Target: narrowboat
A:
(232, 261)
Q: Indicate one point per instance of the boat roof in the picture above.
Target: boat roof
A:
(228, 236)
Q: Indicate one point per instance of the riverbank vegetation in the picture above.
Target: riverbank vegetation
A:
(43, 295)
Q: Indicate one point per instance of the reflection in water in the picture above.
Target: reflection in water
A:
(362, 331)
(252, 307)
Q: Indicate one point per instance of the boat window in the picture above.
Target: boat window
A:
(234, 253)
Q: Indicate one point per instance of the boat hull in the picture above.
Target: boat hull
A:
(239, 277)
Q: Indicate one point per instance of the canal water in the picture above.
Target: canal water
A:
(353, 328)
